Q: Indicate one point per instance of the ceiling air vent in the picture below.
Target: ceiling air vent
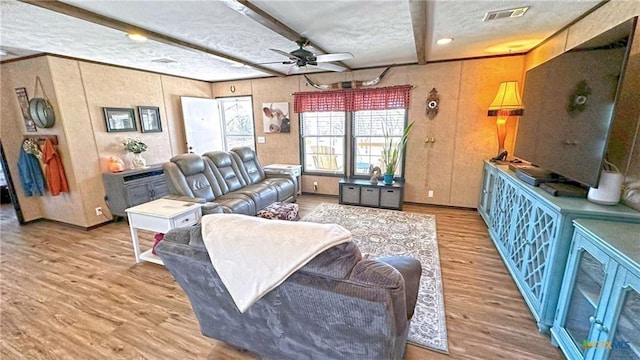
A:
(501, 14)
(163, 61)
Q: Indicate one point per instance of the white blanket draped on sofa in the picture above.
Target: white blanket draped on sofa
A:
(252, 255)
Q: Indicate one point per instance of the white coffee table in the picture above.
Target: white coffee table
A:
(160, 216)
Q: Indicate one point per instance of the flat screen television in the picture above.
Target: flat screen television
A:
(569, 105)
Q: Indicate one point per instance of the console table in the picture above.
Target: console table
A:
(160, 216)
(532, 231)
(599, 309)
(364, 193)
(293, 170)
(133, 187)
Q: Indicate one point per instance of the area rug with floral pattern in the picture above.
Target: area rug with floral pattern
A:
(386, 232)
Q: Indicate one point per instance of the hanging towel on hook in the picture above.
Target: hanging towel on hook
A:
(30, 173)
(54, 172)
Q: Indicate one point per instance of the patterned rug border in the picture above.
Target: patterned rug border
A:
(428, 221)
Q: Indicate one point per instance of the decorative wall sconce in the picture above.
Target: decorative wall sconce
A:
(507, 103)
(579, 98)
(433, 102)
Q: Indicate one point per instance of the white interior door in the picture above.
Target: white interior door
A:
(202, 125)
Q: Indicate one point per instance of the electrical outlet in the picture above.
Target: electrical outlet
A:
(315, 186)
(261, 140)
(99, 211)
(430, 193)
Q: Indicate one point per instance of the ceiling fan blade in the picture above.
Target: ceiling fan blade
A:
(276, 62)
(290, 56)
(330, 66)
(333, 57)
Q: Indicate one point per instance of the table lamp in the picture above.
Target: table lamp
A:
(507, 103)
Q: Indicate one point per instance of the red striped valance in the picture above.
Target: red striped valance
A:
(383, 98)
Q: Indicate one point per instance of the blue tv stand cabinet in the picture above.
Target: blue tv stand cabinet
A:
(598, 315)
(532, 231)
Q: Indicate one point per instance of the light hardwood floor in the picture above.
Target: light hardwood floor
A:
(72, 294)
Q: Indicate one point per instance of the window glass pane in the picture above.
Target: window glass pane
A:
(369, 128)
(237, 117)
(324, 154)
(375, 122)
(323, 123)
(368, 152)
(323, 142)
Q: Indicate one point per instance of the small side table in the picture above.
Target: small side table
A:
(293, 170)
(160, 216)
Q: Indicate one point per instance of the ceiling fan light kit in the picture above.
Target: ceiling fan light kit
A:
(302, 58)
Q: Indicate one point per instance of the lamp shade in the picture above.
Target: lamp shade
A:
(507, 100)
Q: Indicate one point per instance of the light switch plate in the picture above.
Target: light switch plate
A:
(261, 140)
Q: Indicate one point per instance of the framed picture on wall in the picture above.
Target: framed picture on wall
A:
(275, 117)
(149, 119)
(120, 119)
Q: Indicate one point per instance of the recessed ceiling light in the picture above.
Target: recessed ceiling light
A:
(444, 41)
(137, 37)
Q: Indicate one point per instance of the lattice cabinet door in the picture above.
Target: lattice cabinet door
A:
(486, 193)
(518, 246)
(494, 211)
(542, 232)
(503, 220)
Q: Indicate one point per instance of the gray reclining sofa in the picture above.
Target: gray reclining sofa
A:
(234, 181)
(338, 306)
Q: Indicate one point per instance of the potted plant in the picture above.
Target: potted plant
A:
(137, 147)
(392, 152)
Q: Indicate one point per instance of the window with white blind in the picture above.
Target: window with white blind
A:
(323, 142)
(368, 138)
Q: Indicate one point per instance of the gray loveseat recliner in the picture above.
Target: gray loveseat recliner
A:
(235, 181)
(338, 306)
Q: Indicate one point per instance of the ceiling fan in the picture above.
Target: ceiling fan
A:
(302, 58)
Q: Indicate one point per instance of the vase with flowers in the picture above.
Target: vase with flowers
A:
(137, 147)
(392, 152)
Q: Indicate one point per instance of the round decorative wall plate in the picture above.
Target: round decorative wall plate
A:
(41, 112)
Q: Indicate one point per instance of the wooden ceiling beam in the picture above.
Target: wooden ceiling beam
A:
(418, 12)
(95, 18)
(246, 8)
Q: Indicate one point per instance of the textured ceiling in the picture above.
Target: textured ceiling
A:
(375, 32)
(462, 20)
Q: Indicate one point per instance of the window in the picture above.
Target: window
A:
(323, 142)
(370, 113)
(236, 115)
(369, 127)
